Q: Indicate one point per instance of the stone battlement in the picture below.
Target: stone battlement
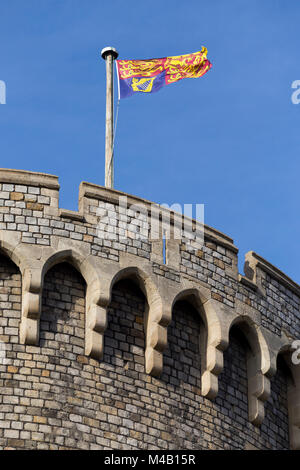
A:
(108, 244)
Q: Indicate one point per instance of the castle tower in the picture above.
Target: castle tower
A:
(108, 341)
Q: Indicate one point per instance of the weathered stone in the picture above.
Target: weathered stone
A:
(217, 297)
(34, 206)
(16, 196)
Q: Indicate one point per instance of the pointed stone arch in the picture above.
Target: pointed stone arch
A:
(33, 278)
(293, 392)
(195, 298)
(29, 263)
(258, 366)
(157, 316)
(11, 290)
(96, 302)
(214, 338)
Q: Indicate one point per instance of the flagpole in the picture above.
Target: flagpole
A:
(109, 54)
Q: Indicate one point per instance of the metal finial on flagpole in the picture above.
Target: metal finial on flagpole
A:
(109, 54)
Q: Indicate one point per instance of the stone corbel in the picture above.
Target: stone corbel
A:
(31, 306)
(97, 300)
(260, 367)
(216, 343)
(157, 320)
(258, 393)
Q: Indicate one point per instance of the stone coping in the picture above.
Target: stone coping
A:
(247, 282)
(29, 178)
(73, 215)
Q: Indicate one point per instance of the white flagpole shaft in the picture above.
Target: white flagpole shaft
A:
(109, 124)
(109, 54)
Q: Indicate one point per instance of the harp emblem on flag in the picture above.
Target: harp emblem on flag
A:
(142, 84)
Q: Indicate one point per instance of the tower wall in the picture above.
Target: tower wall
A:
(110, 341)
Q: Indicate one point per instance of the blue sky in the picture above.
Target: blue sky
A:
(230, 140)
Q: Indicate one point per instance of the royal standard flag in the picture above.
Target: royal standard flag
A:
(149, 76)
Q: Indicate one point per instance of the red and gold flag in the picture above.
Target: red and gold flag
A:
(149, 76)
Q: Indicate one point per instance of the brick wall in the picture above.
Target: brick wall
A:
(54, 397)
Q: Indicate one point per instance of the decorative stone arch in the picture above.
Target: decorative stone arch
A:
(193, 295)
(214, 337)
(195, 298)
(14, 255)
(21, 254)
(32, 296)
(95, 302)
(258, 367)
(157, 317)
(30, 267)
(293, 394)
